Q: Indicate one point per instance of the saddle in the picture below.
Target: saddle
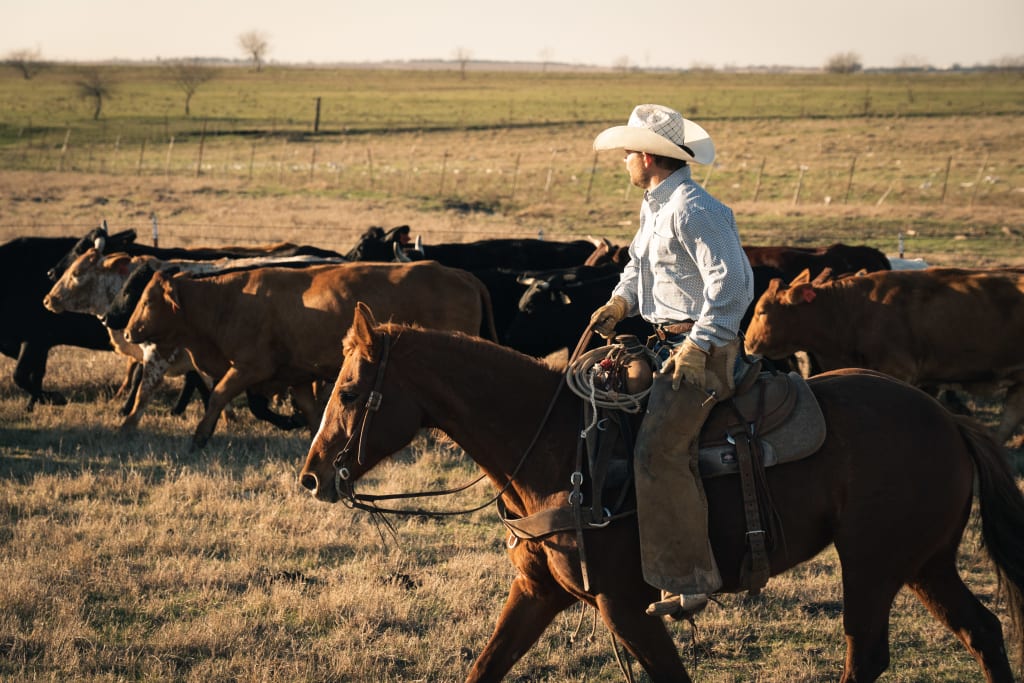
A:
(776, 410)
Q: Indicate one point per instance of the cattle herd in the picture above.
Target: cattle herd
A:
(268, 321)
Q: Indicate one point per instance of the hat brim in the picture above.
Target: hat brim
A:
(645, 140)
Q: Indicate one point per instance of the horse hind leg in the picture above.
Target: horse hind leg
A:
(942, 591)
(867, 601)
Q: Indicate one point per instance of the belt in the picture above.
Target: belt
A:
(664, 330)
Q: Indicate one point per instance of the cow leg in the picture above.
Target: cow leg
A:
(259, 405)
(311, 408)
(527, 612)
(154, 367)
(129, 379)
(28, 374)
(134, 377)
(230, 385)
(193, 382)
(1013, 410)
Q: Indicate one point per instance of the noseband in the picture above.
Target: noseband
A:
(373, 401)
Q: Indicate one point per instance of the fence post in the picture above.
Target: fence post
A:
(142, 155)
(252, 159)
(444, 168)
(590, 183)
(977, 181)
(64, 149)
(945, 179)
(312, 163)
(316, 119)
(515, 177)
(799, 184)
(369, 166)
(757, 185)
(156, 231)
(849, 181)
(167, 163)
(202, 144)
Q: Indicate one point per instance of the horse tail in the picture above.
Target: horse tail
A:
(1002, 518)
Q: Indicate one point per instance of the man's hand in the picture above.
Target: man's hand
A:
(604, 319)
(688, 362)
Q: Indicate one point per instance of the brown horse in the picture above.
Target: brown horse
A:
(891, 488)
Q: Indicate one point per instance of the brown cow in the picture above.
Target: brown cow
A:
(939, 326)
(89, 285)
(269, 328)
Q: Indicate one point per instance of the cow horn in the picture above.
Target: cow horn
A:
(418, 244)
(100, 243)
(400, 254)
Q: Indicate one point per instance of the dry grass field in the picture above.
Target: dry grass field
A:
(125, 557)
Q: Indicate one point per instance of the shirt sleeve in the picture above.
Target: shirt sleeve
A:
(728, 281)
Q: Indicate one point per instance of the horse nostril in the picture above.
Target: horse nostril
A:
(309, 481)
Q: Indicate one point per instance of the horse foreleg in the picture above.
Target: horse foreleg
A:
(527, 612)
(943, 592)
(645, 637)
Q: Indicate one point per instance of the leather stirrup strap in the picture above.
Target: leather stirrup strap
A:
(757, 551)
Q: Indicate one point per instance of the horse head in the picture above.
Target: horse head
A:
(368, 415)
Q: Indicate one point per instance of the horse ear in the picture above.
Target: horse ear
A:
(362, 328)
(804, 276)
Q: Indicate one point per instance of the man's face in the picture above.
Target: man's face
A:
(637, 168)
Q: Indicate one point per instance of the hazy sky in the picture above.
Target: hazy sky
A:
(714, 33)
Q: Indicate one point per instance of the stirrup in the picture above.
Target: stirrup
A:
(678, 607)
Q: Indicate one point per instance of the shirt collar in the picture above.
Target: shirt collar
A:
(666, 187)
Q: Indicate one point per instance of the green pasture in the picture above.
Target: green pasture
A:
(146, 103)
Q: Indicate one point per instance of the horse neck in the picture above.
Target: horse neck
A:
(492, 401)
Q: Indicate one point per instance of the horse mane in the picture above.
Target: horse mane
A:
(466, 344)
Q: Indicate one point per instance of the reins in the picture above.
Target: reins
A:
(361, 501)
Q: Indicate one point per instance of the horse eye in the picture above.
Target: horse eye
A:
(347, 396)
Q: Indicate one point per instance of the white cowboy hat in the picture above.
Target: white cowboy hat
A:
(659, 130)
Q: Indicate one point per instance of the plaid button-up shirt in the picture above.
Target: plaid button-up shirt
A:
(686, 262)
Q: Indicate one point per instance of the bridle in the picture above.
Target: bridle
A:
(344, 485)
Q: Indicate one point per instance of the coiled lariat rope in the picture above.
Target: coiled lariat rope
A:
(588, 370)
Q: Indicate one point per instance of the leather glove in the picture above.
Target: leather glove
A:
(605, 318)
(687, 362)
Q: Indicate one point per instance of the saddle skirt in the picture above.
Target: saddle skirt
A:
(779, 411)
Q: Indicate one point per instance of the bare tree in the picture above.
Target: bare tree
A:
(188, 75)
(843, 63)
(621, 64)
(28, 61)
(256, 44)
(462, 56)
(96, 85)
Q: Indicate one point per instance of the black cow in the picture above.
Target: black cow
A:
(557, 307)
(124, 241)
(29, 331)
(512, 253)
(377, 245)
(840, 258)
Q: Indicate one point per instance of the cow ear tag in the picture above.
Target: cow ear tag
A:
(808, 294)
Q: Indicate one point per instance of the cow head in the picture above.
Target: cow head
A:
(783, 318)
(97, 238)
(90, 284)
(124, 302)
(377, 245)
(368, 416)
(153, 317)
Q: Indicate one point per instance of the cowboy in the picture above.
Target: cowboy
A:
(687, 275)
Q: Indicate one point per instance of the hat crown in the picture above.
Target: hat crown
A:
(668, 123)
